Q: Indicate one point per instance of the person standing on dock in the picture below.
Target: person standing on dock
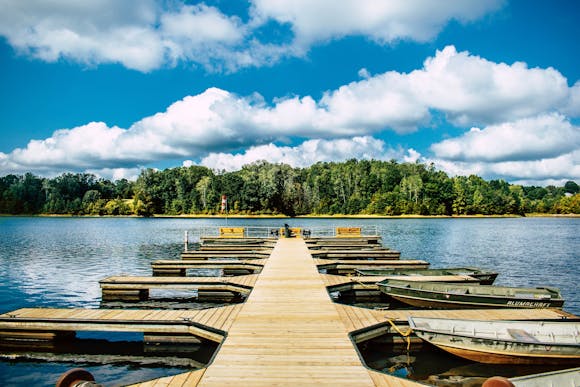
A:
(287, 231)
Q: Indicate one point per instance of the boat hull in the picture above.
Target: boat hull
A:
(516, 356)
(451, 303)
(503, 342)
(567, 377)
(441, 295)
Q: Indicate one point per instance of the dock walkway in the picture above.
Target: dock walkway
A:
(287, 333)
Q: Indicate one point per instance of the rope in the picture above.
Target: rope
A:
(406, 334)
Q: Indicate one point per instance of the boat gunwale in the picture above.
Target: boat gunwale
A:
(417, 287)
(562, 357)
(414, 327)
(466, 268)
(476, 305)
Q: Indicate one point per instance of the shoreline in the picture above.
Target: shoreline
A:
(336, 216)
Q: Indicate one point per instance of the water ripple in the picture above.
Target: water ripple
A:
(57, 262)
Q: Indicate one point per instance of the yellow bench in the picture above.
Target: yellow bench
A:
(232, 232)
(346, 232)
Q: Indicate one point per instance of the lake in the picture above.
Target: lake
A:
(57, 262)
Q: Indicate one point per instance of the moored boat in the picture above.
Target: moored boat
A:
(446, 295)
(503, 342)
(563, 378)
(485, 277)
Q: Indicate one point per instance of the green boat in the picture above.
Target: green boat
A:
(485, 277)
(453, 296)
(503, 342)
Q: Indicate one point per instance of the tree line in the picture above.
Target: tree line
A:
(354, 187)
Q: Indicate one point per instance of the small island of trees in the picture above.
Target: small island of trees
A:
(354, 187)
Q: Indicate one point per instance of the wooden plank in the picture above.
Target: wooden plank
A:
(221, 317)
(376, 264)
(193, 378)
(113, 321)
(215, 317)
(244, 280)
(181, 380)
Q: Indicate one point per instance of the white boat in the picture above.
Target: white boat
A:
(503, 342)
(563, 378)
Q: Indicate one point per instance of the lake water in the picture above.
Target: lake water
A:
(57, 262)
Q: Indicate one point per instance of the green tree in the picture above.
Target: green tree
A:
(571, 187)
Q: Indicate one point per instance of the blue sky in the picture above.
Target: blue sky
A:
(108, 87)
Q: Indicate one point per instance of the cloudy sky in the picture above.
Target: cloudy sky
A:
(110, 87)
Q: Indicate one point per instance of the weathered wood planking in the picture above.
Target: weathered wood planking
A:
(137, 282)
(181, 380)
(114, 315)
(179, 267)
(378, 254)
(204, 255)
(289, 332)
(355, 318)
(210, 324)
(213, 263)
(222, 249)
(388, 264)
(211, 241)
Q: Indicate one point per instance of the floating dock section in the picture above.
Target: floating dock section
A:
(288, 332)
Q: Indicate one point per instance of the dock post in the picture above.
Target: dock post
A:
(186, 241)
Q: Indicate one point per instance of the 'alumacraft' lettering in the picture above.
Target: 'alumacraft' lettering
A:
(529, 303)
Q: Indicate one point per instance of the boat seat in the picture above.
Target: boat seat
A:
(522, 335)
(533, 296)
(458, 291)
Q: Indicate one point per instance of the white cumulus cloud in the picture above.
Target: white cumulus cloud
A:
(555, 170)
(471, 89)
(383, 21)
(540, 137)
(139, 34)
(145, 35)
(538, 150)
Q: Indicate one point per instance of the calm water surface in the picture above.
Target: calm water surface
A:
(57, 262)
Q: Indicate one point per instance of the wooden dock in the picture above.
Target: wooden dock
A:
(48, 323)
(375, 254)
(179, 267)
(137, 288)
(288, 332)
(348, 267)
(224, 254)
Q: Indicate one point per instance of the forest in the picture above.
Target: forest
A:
(353, 187)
